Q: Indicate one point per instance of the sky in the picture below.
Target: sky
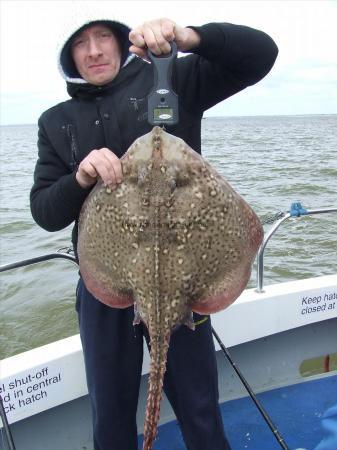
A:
(302, 81)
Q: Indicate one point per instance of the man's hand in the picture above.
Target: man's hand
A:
(100, 163)
(157, 35)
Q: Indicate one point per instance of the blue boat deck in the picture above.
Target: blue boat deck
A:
(296, 410)
(304, 410)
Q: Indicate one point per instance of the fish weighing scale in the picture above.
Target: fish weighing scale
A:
(163, 101)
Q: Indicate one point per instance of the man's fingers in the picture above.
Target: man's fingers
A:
(155, 35)
(138, 51)
(89, 169)
(86, 174)
(108, 167)
(117, 168)
(136, 37)
(101, 163)
(155, 39)
(151, 42)
(168, 29)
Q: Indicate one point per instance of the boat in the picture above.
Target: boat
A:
(277, 372)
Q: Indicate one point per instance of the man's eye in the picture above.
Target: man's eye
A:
(78, 42)
(105, 34)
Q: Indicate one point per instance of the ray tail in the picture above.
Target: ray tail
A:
(159, 348)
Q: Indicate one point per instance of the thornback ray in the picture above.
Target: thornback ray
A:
(174, 237)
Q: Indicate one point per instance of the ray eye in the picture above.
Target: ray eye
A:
(142, 173)
(172, 184)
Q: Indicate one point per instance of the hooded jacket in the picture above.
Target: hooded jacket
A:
(228, 59)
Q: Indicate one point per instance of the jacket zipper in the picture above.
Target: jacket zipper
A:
(73, 146)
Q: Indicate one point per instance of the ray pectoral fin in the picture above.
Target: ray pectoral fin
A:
(224, 292)
(103, 292)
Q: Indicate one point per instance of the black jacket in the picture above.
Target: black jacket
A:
(229, 58)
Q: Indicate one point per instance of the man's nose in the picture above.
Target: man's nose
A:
(94, 48)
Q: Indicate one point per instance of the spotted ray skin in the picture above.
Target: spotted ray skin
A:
(173, 238)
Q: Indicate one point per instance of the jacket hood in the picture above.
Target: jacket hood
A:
(66, 64)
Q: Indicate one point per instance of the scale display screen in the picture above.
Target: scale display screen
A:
(162, 113)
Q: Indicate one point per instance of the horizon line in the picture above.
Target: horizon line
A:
(209, 117)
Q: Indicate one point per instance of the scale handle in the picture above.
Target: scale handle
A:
(163, 66)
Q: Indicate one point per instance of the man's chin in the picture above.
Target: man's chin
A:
(100, 80)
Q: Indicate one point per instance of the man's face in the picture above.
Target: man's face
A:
(96, 54)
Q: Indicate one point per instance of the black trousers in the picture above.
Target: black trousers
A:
(113, 354)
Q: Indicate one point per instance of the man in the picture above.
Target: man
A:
(83, 139)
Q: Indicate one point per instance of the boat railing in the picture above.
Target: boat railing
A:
(296, 211)
(62, 253)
